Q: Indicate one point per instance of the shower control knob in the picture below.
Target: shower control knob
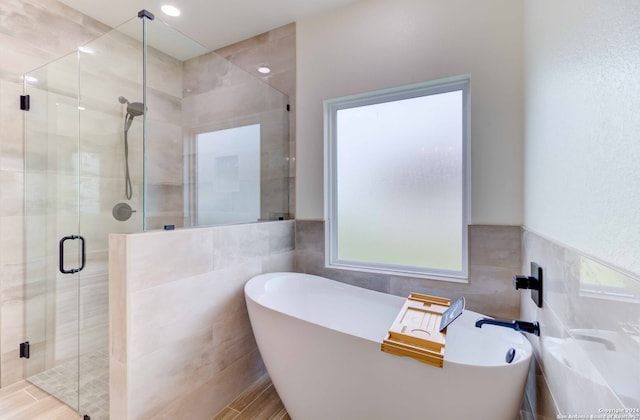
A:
(525, 282)
(122, 212)
(533, 282)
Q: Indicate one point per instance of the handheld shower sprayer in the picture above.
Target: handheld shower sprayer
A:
(134, 109)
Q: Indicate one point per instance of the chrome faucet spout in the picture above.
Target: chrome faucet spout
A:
(522, 326)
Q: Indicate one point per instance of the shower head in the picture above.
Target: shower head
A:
(134, 109)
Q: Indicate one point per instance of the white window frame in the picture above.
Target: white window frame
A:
(331, 107)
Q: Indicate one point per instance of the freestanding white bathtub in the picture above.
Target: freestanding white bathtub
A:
(320, 341)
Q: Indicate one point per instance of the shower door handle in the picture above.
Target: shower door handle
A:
(61, 256)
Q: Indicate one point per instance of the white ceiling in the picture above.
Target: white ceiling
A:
(212, 23)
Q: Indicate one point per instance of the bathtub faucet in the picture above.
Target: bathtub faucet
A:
(523, 326)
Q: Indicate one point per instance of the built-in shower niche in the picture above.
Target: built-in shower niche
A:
(166, 103)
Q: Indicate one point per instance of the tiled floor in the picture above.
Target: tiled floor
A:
(259, 402)
(62, 382)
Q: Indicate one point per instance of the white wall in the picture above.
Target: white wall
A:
(376, 44)
(582, 116)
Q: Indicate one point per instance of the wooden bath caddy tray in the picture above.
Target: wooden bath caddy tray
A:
(416, 331)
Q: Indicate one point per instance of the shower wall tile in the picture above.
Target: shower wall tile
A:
(276, 48)
(590, 332)
(11, 184)
(165, 205)
(33, 23)
(81, 311)
(11, 311)
(227, 103)
(163, 107)
(274, 198)
(209, 72)
(159, 222)
(11, 297)
(182, 344)
(11, 244)
(113, 47)
(165, 74)
(11, 257)
(164, 154)
(27, 30)
(12, 123)
(19, 57)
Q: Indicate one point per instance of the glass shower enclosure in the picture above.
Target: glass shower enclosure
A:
(139, 129)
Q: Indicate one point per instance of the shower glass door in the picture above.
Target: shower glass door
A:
(76, 190)
(51, 210)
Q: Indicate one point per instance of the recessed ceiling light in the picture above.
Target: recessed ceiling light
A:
(264, 69)
(169, 10)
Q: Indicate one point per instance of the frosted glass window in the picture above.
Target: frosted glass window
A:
(397, 188)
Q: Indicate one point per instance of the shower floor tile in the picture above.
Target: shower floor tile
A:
(61, 382)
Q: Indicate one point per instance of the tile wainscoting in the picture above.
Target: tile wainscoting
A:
(152, 325)
(494, 258)
(181, 343)
(590, 314)
(588, 352)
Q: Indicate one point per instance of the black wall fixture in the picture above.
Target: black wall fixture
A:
(146, 14)
(533, 282)
(25, 350)
(25, 102)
